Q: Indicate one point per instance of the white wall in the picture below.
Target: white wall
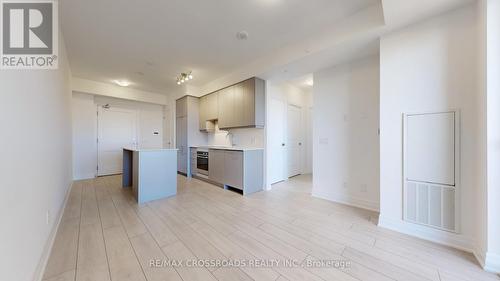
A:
(84, 136)
(492, 254)
(110, 90)
(248, 137)
(35, 117)
(430, 66)
(345, 133)
(290, 95)
(150, 118)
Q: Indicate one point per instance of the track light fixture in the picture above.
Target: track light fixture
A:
(184, 77)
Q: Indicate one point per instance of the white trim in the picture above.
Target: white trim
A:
(47, 250)
(479, 255)
(446, 238)
(492, 262)
(85, 177)
(350, 201)
(488, 261)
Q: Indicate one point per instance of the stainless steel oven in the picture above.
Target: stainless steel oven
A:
(202, 162)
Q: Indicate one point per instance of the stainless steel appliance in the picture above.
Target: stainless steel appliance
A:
(202, 162)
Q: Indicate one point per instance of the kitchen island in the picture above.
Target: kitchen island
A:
(152, 173)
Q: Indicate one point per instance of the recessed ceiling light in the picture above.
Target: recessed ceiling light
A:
(310, 82)
(123, 83)
(242, 35)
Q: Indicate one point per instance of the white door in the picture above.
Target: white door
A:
(116, 129)
(294, 143)
(277, 140)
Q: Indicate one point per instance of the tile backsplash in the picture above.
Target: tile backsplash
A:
(239, 137)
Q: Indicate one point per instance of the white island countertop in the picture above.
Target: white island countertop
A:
(235, 148)
(140, 149)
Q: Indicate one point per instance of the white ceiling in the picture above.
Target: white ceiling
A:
(305, 82)
(151, 42)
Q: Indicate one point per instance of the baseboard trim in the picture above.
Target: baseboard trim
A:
(479, 255)
(450, 239)
(85, 177)
(349, 200)
(44, 259)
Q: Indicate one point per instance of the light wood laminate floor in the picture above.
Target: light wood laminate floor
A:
(105, 235)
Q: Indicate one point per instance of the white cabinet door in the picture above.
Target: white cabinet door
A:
(233, 172)
(116, 129)
(430, 148)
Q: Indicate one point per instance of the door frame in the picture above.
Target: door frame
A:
(99, 110)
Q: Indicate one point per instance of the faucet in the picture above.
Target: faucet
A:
(231, 136)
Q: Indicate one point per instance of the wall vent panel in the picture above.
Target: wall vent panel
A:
(431, 169)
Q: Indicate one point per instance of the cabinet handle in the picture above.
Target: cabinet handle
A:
(282, 144)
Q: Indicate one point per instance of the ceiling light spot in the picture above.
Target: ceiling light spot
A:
(242, 35)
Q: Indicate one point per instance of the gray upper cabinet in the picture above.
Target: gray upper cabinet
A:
(203, 114)
(226, 107)
(212, 107)
(237, 106)
(246, 102)
(209, 111)
(181, 107)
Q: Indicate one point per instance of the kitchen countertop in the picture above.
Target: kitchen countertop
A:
(148, 149)
(235, 148)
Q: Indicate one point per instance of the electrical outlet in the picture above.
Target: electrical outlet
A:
(363, 188)
(47, 218)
